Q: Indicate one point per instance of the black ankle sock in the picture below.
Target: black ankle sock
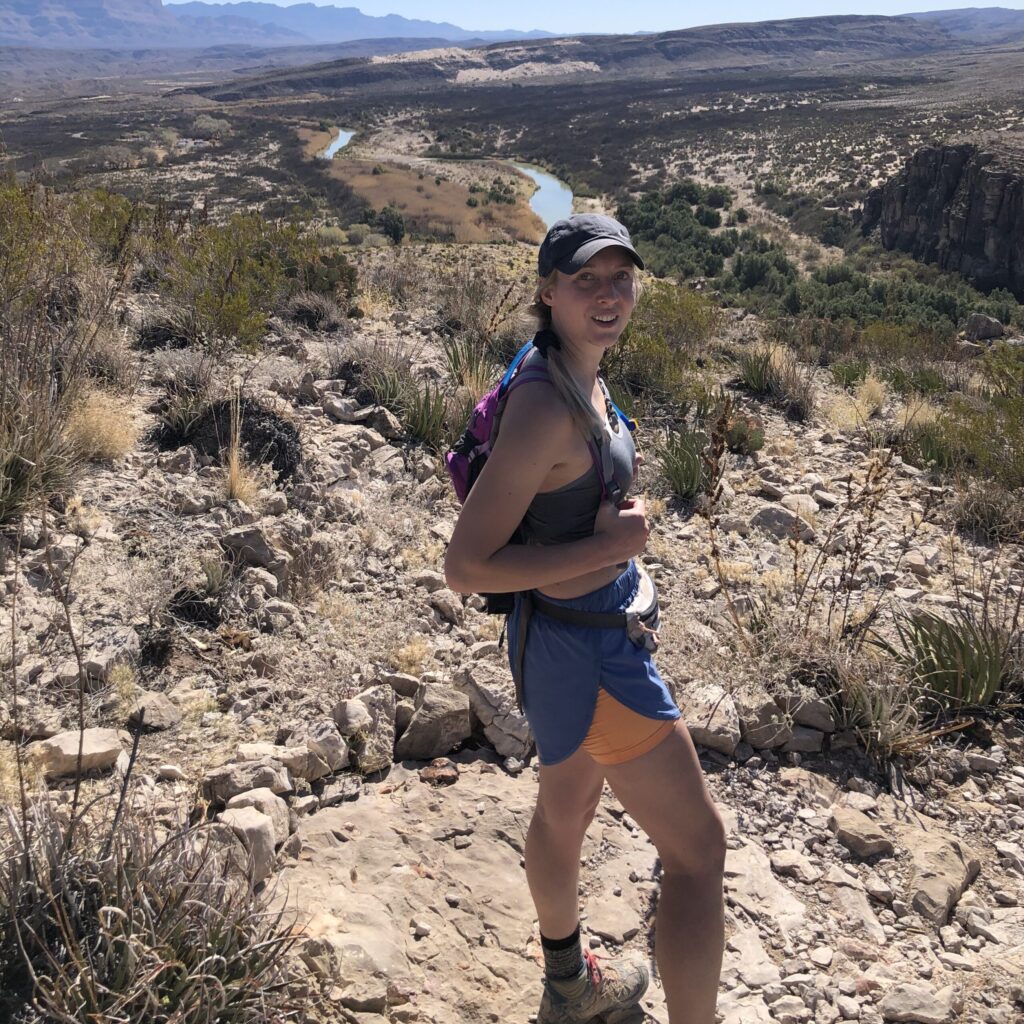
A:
(563, 958)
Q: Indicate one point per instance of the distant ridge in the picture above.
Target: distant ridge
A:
(130, 24)
(984, 25)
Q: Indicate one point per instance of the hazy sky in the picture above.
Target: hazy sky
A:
(634, 16)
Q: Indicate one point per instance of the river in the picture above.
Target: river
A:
(553, 199)
(343, 139)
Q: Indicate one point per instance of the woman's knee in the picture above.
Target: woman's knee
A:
(696, 849)
(569, 812)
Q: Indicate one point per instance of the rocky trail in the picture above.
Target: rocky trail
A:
(350, 723)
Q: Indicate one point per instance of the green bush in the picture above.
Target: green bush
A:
(425, 413)
(756, 371)
(234, 274)
(848, 374)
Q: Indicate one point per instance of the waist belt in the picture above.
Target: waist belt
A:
(640, 621)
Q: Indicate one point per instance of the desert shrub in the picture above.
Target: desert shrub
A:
(130, 920)
(402, 279)
(380, 373)
(482, 305)
(100, 426)
(681, 460)
(325, 273)
(847, 374)
(1003, 365)
(233, 275)
(989, 435)
(792, 385)
(179, 327)
(390, 222)
(987, 510)
(110, 362)
(247, 426)
(317, 312)
(871, 396)
(43, 346)
(187, 379)
(207, 127)
(469, 363)
(907, 379)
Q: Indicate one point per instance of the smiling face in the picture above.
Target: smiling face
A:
(593, 306)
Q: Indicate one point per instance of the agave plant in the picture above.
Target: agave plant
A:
(682, 465)
(961, 661)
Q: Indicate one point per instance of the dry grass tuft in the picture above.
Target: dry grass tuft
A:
(413, 657)
(871, 396)
(124, 684)
(100, 426)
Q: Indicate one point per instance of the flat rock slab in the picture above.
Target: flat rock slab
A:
(58, 755)
(941, 869)
(421, 890)
(711, 716)
(917, 1004)
(859, 834)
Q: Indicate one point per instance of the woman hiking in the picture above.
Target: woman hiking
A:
(581, 635)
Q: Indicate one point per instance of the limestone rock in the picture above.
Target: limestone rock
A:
(805, 707)
(221, 784)
(941, 869)
(981, 327)
(351, 716)
(916, 1003)
(859, 834)
(324, 739)
(439, 724)
(762, 724)
(254, 547)
(302, 762)
(268, 803)
(448, 606)
(781, 523)
(710, 715)
(256, 831)
(804, 740)
(155, 711)
(378, 747)
(493, 700)
(795, 865)
(58, 755)
(118, 647)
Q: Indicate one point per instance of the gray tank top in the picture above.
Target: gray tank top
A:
(568, 512)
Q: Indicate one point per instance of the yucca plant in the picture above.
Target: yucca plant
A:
(756, 371)
(425, 414)
(129, 923)
(963, 660)
(469, 362)
(681, 462)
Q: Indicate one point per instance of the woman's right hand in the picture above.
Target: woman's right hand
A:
(623, 527)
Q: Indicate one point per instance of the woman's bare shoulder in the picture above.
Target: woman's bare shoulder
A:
(535, 409)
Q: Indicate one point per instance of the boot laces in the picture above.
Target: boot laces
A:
(593, 969)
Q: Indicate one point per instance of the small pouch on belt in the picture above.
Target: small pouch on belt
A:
(643, 618)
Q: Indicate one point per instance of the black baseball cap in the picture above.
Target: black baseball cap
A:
(571, 242)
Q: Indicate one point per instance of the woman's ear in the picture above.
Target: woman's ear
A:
(545, 294)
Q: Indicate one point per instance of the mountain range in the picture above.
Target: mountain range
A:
(113, 24)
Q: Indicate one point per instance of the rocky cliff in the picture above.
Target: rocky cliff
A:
(960, 206)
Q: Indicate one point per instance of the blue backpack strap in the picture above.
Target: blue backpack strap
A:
(630, 423)
(514, 366)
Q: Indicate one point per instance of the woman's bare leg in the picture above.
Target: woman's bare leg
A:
(664, 791)
(566, 801)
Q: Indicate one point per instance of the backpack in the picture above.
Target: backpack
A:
(467, 457)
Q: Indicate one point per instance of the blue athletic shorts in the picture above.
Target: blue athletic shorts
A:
(564, 666)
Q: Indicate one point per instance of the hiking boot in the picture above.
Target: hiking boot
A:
(616, 985)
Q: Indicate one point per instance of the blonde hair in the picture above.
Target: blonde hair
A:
(578, 401)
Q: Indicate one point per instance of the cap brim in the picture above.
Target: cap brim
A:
(576, 262)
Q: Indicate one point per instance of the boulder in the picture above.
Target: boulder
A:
(118, 647)
(254, 547)
(793, 864)
(804, 740)
(351, 716)
(155, 711)
(859, 834)
(302, 762)
(268, 803)
(378, 748)
(492, 697)
(324, 739)
(917, 1004)
(762, 723)
(941, 868)
(805, 707)
(711, 717)
(256, 831)
(448, 605)
(439, 724)
(58, 755)
(981, 327)
(221, 784)
(781, 523)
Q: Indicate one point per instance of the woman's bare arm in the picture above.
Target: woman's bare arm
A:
(536, 432)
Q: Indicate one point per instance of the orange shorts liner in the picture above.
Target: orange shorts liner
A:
(617, 734)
